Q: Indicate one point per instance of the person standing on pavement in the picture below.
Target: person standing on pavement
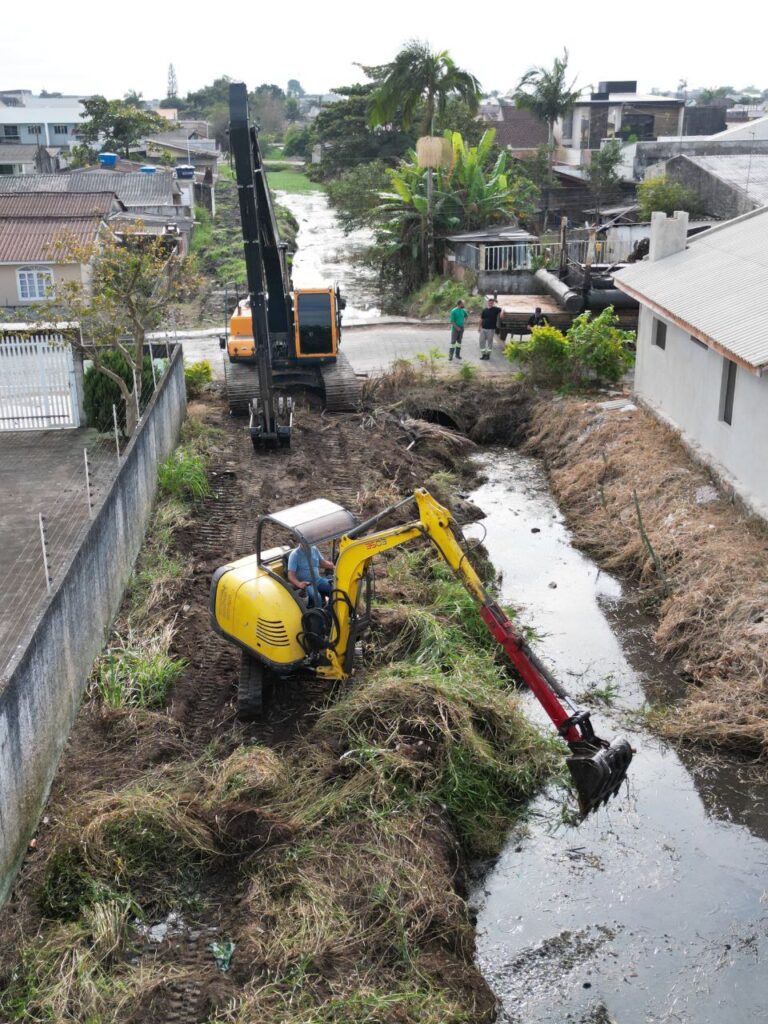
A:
(489, 318)
(458, 318)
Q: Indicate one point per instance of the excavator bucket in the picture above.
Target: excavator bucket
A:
(598, 769)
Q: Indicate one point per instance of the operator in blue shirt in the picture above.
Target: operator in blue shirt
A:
(302, 576)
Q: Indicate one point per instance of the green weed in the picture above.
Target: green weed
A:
(467, 373)
(182, 475)
(137, 674)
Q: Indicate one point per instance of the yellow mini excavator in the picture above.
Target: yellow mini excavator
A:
(278, 339)
(254, 605)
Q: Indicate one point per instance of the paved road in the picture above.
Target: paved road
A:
(372, 349)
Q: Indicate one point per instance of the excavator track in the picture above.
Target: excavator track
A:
(343, 389)
(242, 381)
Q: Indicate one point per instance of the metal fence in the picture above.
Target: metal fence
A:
(38, 389)
(532, 255)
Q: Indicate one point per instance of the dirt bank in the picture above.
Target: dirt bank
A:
(640, 505)
(326, 843)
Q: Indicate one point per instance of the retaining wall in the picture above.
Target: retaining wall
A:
(41, 696)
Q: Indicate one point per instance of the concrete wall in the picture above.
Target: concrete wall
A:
(683, 383)
(718, 198)
(40, 697)
(509, 282)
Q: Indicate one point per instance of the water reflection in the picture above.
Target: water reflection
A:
(654, 909)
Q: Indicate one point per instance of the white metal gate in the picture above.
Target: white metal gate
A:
(38, 389)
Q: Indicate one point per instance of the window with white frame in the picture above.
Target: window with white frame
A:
(61, 129)
(35, 283)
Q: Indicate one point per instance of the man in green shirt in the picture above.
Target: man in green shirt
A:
(458, 318)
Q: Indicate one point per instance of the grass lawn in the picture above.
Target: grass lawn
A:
(292, 181)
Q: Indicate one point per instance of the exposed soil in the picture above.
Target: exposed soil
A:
(701, 567)
(365, 462)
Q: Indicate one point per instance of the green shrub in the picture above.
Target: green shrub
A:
(196, 377)
(545, 355)
(100, 392)
(594, 350)
(599, 348)
(182, 475)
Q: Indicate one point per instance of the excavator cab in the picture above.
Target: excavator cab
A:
(316, 323)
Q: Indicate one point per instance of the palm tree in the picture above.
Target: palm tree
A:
(419, 80)
(547, 94)
(419, 76)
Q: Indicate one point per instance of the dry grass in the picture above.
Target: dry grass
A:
(704, 571)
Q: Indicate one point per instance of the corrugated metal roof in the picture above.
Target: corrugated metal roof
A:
(510, 233)
(716, 287)
(57, 205)
(18, 153)
(33, 240)
(745, 171)
(133, 189)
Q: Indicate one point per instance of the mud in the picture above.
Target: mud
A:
(654, 909)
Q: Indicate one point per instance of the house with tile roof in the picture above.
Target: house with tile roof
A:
(702, 342)
(32, 228)
(157, 200)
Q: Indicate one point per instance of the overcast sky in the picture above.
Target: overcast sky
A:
(85, 47)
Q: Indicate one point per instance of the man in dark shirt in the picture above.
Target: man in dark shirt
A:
(538, 319)
(489, 318)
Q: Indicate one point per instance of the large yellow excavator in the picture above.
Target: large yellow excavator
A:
(254, 605)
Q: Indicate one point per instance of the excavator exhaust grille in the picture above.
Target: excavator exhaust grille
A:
(272, 633)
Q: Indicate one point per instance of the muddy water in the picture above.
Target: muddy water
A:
(327, 256)
(655, 909)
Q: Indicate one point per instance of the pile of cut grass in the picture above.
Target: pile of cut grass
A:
(701, 567)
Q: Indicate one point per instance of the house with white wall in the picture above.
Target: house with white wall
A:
(702, 342)
(39, 120)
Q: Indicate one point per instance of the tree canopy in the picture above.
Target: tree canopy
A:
(116, 124)
(347, 137)
(418, 84)
(662, 194)
(135, 280)
(547, 93)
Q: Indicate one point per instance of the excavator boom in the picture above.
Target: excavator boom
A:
(597, 767)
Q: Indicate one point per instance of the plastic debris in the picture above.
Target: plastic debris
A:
(222, 954)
